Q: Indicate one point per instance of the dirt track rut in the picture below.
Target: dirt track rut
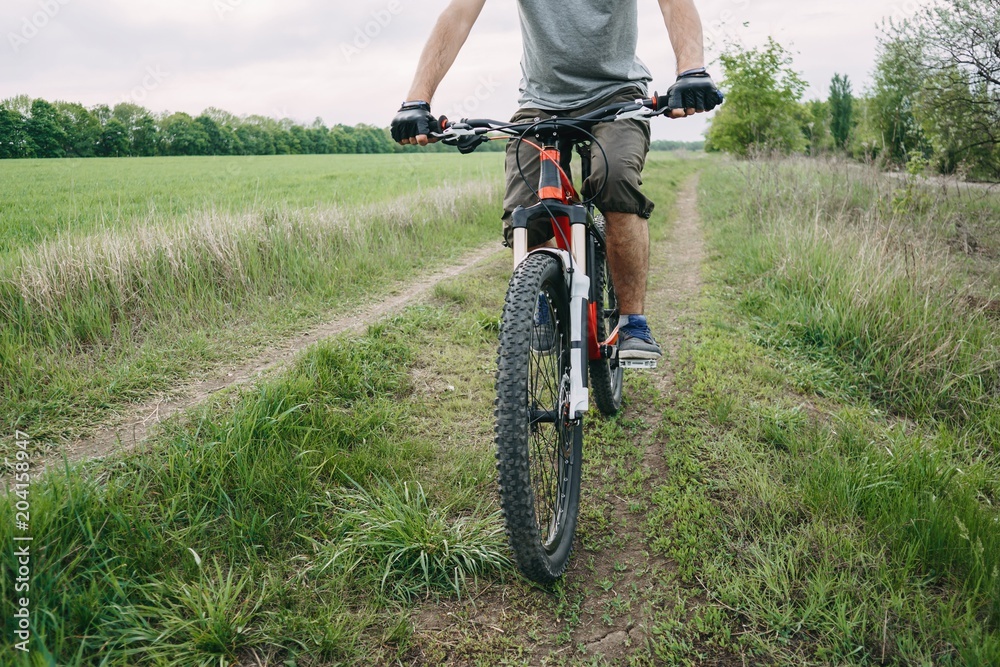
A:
(606, 606)
(140, 420)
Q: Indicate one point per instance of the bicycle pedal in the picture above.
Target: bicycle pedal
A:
(638, 364)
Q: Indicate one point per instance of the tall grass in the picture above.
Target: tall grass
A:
(885, 536)
(860, 272)
(79, 288)
(92, 322)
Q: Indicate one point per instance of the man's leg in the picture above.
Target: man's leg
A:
(628, 255)
(617, 176)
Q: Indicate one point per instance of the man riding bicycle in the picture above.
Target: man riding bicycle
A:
(580, 55)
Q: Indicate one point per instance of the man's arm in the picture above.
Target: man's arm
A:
(446, 40)
(686, 36)
(684, 25)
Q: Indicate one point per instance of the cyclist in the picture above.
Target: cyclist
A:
(580, 55)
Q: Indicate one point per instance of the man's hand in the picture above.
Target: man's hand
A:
(694, 92)
(414, 124)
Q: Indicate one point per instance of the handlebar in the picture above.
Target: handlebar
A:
(468, 134)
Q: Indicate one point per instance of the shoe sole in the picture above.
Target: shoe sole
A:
(639, 354)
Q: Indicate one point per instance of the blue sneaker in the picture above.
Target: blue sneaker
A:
(635, 340)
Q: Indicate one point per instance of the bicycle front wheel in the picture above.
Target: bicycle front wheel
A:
(606, 375)
(539, 450)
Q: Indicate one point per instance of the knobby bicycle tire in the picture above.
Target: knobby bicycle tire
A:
(606, 375)
(539, 453)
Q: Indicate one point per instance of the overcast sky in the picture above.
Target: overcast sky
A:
(304, 58)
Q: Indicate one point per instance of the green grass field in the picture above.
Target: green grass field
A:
(259, 527)
(43, 198)
(154, 270)
(843, 419)
(829, 477)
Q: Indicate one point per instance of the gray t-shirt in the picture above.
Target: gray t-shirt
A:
(578, 51)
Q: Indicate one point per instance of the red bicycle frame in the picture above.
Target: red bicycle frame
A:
(555, 186)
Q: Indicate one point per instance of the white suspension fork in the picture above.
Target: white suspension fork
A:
(579, 357)
(520, 245)
(578, 284)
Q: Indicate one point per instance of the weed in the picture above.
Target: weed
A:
(394, 539)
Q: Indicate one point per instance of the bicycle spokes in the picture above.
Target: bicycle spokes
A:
(547, 392)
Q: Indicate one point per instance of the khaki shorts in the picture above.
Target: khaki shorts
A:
(626, 144)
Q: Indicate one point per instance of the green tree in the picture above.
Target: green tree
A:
(898, 80)
(815, 125)
(302, 140)
(141, 127)
(342, 139)
(841, 109)
(959, 103)
(13, 134)
(36, 128)
(102, 112)
(285, 140)
(762, 109)
(960, 138)
(45, 130)
(114, 140)
(20, 104)
(83, 130)
(221, 138)
(255, 139)
(181, 135)
(319, 137)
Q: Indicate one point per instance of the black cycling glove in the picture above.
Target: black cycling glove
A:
(414, 119)
(694, 90)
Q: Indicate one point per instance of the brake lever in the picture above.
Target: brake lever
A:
(463, 137)
(639, 112)
(456, 131)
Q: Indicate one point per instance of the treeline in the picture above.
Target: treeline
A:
(36, 128)
(663, 145)
(934, 101)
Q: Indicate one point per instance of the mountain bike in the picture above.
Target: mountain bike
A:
(559, 325)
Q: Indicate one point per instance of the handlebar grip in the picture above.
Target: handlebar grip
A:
(658, 103)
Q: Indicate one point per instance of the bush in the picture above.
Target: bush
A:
(761, 111)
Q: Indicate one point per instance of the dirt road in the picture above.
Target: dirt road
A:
(602, 613)
(140, 421)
